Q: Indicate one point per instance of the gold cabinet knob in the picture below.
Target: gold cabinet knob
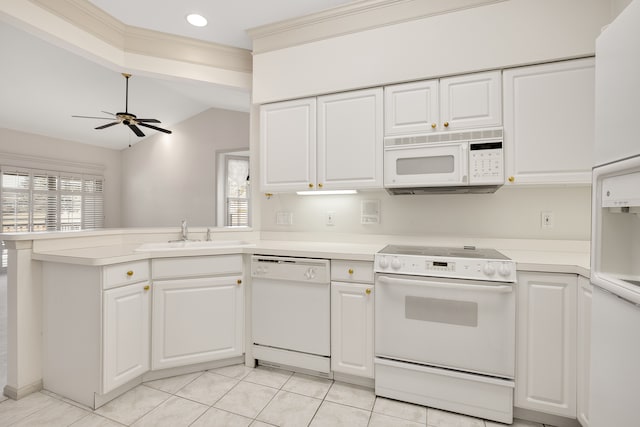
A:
(368, 292)
(268, 195)
(310, 185)
(433, 125)
(320, 185)
(239, 281)
(146, 287)
(130, 273)
(351, 271)
(512, 179)
(446, 124)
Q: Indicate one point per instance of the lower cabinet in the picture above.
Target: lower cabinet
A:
(352, 309)
(546, 343)
(585, 291)
(197, 320)
(125, 328)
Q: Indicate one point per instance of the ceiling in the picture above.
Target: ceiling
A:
(43, 85)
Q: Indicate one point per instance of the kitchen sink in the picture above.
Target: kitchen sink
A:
(192, 244)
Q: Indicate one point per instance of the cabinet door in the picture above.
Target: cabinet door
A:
(352, 328)
(546, 343)
(125, 334)
(288, 145)
(411, 108)
(585, 291)
(548, 123)
(196, 320)
(471, 101)
(350, 127)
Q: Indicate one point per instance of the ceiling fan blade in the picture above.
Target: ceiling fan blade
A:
(155, 128)
(107, 125)
(106, 112)
(148, 120)
(136, 130)
(92, 117)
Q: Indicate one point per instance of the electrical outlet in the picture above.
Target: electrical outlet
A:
(331, 218)
(546, 219)
(284, 218)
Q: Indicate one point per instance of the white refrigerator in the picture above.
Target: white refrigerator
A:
(615, 237)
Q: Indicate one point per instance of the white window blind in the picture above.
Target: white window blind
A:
(237, 191)
(36, 200)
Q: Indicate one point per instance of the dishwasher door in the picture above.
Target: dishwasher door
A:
(291, 304)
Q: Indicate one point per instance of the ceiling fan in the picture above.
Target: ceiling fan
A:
(126, 118)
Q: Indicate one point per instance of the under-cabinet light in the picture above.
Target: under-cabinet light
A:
(324, 192)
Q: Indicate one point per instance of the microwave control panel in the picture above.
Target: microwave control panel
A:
(486, 163)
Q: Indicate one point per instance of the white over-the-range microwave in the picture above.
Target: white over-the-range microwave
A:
(452, 162)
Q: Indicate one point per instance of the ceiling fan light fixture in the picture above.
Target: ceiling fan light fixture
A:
(197, 20)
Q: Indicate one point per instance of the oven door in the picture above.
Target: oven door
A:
(464, 325)
(426, 165)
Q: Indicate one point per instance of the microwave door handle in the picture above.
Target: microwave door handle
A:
(426, 283)
(464, 162)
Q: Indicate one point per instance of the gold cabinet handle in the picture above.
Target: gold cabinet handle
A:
(146, 288)
(239, 281)
(310, 185)
(512, 179)
(130, 273)
(446, 124)
(368, 292)
(351, 271)
(320, 185)
(433, 125)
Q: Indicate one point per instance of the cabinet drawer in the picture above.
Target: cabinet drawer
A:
(122, 274)
(352, 271)
(196, 266)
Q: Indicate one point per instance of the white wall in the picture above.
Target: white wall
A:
(508, 213)
(498, 35)
(167, 178)
(39, 151)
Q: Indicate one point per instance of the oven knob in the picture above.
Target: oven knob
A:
(383, 262)
(395, 264)
(489, 269)
(504, 270)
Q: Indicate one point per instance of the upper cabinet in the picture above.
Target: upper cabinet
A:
(337, 147)
(288, 145)
(452, 103)
(549, 123)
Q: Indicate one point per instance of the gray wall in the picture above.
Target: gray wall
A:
(167, 178)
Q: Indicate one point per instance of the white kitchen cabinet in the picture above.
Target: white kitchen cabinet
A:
(548, 123)
(546, 343)
(411, 108)
(125, 334)
(471, 101)
(198, 310)
(352, 321)
(468, 101)
(288, 145)
(585, 291)
(337, 147)
(95, 328)
(350, 132)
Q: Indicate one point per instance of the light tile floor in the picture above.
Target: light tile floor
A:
(236, 396)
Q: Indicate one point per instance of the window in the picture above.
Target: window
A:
(237, 194)
(36, 200)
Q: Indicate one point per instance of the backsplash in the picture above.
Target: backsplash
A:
(508, 213)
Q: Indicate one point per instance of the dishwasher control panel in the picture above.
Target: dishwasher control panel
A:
(310, 270)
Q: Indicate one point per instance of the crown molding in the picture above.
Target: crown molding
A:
(89, 18)
(351, 18)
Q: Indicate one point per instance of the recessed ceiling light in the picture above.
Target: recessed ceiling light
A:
(197, 20)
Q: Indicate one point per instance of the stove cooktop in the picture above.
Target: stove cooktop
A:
(466, 262)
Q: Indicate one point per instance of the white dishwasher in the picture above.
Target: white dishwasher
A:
(291, 312)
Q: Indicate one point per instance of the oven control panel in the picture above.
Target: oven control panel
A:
(462, 268)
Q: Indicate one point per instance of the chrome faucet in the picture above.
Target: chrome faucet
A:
(183, 225)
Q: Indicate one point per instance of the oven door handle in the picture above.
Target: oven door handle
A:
(462, 286)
